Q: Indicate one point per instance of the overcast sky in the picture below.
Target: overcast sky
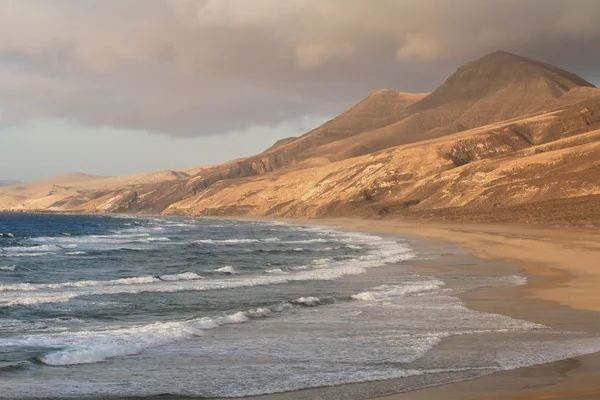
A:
(121, 86)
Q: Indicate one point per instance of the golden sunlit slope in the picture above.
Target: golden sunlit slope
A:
(504, 138)
(41, 195)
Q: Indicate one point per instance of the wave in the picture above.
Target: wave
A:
(299, 268)
(307, 301)
(317, 240)
(185, 276)
(26, 254)
(274, 271)
(66, 246)
(86, 239)
(153, 239)
(77, 284)
(8, 267)
(387, 291)
(33, 249)
(88, 347)
(7, 235)
(226, 241)
(16, 366)
(225, 270)
(136, 280)
(117, 241)
(76, 253)
(380, 253)
(41, 293)
(180, 224)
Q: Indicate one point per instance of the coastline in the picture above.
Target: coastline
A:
(561, 292)
(563, 270)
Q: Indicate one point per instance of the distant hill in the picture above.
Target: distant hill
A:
(504, 138)
(8, 182)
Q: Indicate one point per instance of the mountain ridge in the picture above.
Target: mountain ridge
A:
(500, 134)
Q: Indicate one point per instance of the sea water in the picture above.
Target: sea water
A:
(140, 306)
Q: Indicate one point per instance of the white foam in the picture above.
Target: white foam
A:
(87, 347)
(388, 291)
(228, 269)
(226, 241)
(181, 277)
(274, 271)
(316, 240)
(128, 239)
(75, 253)
(381, 252)
(8, 267)
(25, 254)
(271, 240)
(154, 239)
(308, 301)
(180, 224)
(515, 280)
(30, 249)
(299, 268)
(67, 246)
(136, 280)
(77, 284)
(7, 234)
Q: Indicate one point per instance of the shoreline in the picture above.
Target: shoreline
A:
(563, 269)
(561, 292)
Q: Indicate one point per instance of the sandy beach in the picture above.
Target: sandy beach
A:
(563, 270)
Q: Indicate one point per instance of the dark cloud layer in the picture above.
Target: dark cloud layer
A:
(186, 67)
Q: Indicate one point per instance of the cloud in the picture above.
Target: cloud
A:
(196, 67)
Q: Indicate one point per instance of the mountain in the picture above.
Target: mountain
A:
(496, 87)
(8, 182)
(504, 138)
(44, 194)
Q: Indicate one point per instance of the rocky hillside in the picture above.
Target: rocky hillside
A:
(504, 139)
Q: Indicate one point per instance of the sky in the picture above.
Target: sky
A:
(116, 87)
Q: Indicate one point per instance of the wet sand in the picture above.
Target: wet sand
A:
(563, 291)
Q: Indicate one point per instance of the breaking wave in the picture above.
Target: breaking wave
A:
(387, 291)
(88, 347)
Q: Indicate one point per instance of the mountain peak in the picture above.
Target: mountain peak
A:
(505, 66)
(503, 72)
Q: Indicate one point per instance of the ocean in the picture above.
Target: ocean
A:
(118, 306)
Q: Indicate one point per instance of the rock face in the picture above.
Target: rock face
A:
(503, 139)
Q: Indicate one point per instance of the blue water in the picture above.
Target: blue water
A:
(130, 306)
